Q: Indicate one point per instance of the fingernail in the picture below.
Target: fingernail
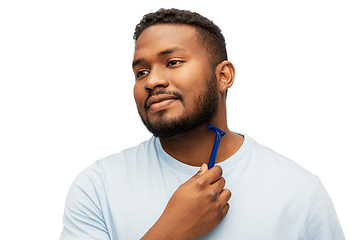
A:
(202, 167)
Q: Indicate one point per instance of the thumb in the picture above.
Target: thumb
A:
(202, 171)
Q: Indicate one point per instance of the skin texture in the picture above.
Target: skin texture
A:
(172, 70)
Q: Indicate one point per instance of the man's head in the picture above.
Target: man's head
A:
(179, 80)
(209, 34)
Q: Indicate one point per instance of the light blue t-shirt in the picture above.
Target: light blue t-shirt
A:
(123, 195)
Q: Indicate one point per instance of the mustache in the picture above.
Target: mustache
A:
(159, 92)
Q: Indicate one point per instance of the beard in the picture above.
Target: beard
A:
(206, 107)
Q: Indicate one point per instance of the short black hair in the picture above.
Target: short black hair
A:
(210, 34)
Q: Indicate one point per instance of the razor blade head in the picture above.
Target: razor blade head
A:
(215, 130)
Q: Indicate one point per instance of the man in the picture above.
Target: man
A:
(156, 190)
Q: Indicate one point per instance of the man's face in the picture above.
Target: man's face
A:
(175, 91)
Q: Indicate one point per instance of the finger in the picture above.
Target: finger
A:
(203, 170)
(213, 175)
(224, 200)
(225, 210)
(225, 195)
(219, 184)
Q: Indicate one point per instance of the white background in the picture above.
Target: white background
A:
(66, 94)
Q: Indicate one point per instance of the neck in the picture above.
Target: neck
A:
(194, 147)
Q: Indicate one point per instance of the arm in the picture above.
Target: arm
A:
(195, 208)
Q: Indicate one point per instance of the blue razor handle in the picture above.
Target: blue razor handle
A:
(218, 135)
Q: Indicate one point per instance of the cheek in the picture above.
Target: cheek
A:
(139, 96)
(189, 80)
(193, 84)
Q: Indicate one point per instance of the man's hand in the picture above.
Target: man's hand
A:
(195, 208)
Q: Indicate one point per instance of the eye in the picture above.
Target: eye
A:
(174, 63)
(142, 73)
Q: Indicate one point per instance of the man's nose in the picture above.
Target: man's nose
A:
(156, 79)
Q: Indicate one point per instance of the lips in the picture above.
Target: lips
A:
(159, 102)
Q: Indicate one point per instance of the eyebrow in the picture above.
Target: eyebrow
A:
(170, 50)
(160, 54)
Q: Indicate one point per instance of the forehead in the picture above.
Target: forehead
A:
(164, 36)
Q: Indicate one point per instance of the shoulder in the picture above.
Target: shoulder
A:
(271, 168)
(127, 157)
(94, 174)
(277, 162)
(92, 183)
(321, 221)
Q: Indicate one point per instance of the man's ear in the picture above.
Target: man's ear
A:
(226, 75)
